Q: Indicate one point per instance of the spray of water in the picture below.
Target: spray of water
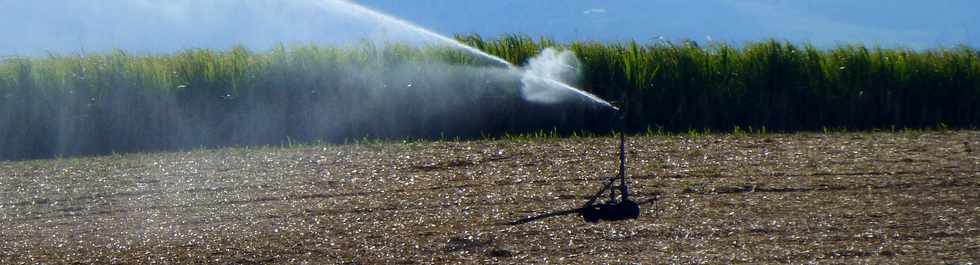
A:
(551, 69)
(361, 11)
(334, 101)
(545, 79)
(256, 24)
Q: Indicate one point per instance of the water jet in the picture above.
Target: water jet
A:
(530, 75)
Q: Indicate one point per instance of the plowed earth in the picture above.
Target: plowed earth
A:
(794, 198)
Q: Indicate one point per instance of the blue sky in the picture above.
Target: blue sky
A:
(65, 26)
(916, 24)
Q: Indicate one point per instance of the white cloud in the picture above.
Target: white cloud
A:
(594, 11)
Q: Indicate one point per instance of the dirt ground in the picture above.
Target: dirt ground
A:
(906, 197)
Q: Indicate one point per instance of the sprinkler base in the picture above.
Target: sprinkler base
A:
(611, 211)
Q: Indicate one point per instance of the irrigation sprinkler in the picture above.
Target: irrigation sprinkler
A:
(615, 209)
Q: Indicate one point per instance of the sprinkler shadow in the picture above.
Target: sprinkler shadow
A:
(585, 209)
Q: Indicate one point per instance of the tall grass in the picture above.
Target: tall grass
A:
(100, 103)
(119, 102)
(778, 85)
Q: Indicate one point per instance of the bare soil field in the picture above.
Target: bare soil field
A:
(907, 197)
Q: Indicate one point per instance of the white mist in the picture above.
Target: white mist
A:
(550, 78)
